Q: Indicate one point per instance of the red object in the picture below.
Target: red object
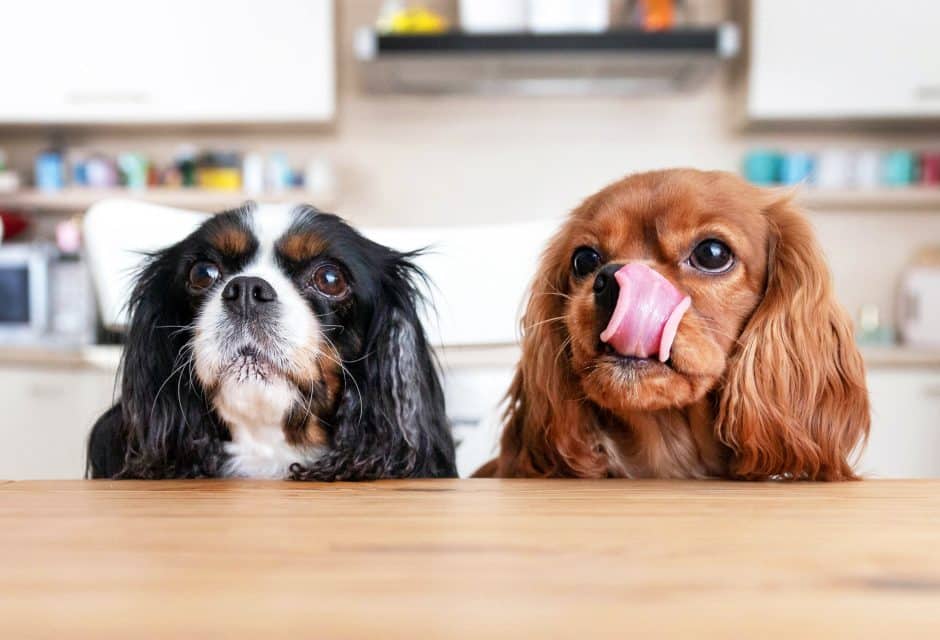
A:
(11, 225)
(930, 168)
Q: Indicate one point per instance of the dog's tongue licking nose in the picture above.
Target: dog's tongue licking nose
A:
(647, 314)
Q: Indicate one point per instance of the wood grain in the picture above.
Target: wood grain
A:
(469, 559)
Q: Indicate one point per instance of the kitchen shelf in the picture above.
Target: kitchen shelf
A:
(880, 200)
(73, 200)
(627, 61)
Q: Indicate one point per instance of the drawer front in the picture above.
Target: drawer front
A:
(47, 415)
(905, 432)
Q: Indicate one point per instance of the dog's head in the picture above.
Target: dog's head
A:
(673, 288)
(278, 315)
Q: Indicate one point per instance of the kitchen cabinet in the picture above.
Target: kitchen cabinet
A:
(213, 61)
(46, 418)
(843, 59)
(905, 429)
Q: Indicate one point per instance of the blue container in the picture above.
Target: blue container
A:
(797, 168)
(79, 174)
(762, 167)
(50, 171)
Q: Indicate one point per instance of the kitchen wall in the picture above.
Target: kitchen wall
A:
(454, 160)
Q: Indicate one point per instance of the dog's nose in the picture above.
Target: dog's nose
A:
(606, 291)
(244, 295)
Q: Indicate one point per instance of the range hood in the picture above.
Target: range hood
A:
(621, 62)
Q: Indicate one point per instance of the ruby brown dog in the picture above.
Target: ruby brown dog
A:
(682, 324)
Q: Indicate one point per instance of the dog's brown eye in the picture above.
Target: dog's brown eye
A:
(712, 256)
(203, 275)
(585, 261)
(330, 281)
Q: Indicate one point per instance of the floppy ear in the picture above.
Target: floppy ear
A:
(793, 403)
(548, 427)
(163, 424)
(391, 421)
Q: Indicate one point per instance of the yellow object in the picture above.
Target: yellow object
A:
(417, 20)
(220, 178)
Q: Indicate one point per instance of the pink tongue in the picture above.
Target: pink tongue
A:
(647, 314)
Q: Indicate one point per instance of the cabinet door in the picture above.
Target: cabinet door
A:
(905, 430)
(474, 396)
(170, 61)
(844, 59)
(47, 416)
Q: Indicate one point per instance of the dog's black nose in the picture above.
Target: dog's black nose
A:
(606, 290)
(244, 294)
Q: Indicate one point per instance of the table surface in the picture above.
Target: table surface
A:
(469, 559)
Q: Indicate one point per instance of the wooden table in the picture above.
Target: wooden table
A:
(469, 559)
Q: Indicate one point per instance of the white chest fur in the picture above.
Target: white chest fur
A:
(254, 411)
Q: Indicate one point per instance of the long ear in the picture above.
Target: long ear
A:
(166, 425)
(391, 421)
(794, 403)
(548, 429)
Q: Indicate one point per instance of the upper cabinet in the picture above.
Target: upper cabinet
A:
(844, 59)
(175, 61)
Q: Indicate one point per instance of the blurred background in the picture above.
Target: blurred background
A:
(470, 125)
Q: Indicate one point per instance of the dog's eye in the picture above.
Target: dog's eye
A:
(712, 256)
(203, 275)
(585, 261)
(330, 281)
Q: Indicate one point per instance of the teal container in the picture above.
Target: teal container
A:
(134, 168)
(762, 167)
(899, 168)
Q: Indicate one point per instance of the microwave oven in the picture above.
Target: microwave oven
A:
(46, 299)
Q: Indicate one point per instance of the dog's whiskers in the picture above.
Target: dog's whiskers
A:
(541, 322)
